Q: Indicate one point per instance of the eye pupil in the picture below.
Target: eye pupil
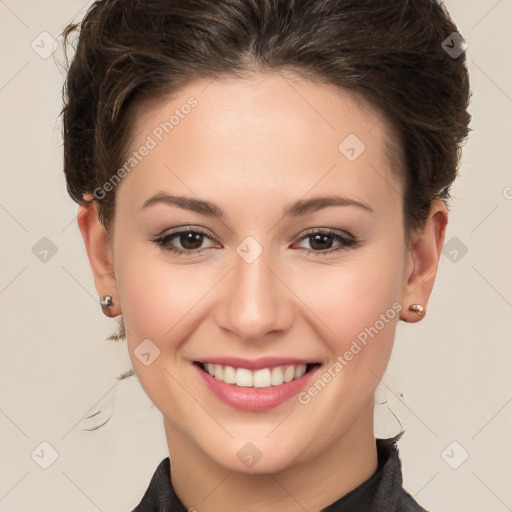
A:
(189, 240)
(319, 238)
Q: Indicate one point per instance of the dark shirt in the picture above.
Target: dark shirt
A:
(382, 492)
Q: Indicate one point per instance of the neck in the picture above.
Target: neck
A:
(202, 484)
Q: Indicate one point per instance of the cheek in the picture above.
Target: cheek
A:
(359, 305)
(351, 296)
(155, 298)
(158, 302)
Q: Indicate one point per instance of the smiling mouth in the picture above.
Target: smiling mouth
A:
(263, 378)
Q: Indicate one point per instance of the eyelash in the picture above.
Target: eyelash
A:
(345, 243)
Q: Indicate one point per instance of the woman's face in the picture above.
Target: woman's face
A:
(266, 279)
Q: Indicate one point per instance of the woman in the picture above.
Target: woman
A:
(263, 192)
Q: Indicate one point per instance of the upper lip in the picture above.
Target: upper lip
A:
(255, 364)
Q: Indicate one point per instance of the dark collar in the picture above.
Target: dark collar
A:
(382, 492)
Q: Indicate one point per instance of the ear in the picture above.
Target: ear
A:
(99, 251)
(423, 259)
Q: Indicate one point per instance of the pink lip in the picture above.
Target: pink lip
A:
(255, 364)
(254, 399)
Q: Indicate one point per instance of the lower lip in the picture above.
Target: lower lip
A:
(254, 399)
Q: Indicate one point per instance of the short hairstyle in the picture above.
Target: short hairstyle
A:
(131, 53)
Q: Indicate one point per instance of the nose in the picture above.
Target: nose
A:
(254, 302)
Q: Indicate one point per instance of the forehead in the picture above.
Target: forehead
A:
(267, 132)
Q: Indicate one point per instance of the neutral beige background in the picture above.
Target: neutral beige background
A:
(448, 380)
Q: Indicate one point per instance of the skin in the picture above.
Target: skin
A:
(253, 146)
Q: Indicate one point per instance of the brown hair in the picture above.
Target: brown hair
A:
(394, 54)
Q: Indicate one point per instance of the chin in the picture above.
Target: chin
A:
(256, 457)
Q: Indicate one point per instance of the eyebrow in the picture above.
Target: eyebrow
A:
(301, 207)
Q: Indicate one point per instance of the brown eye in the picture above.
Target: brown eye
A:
(321, 242)
(185, 241)
(190, 240)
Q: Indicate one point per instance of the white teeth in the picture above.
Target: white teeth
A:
(229, 375)
(243, 377)
(263, 378)
(289, 373)
(219, 372)
(300, 371)
(276, 376)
